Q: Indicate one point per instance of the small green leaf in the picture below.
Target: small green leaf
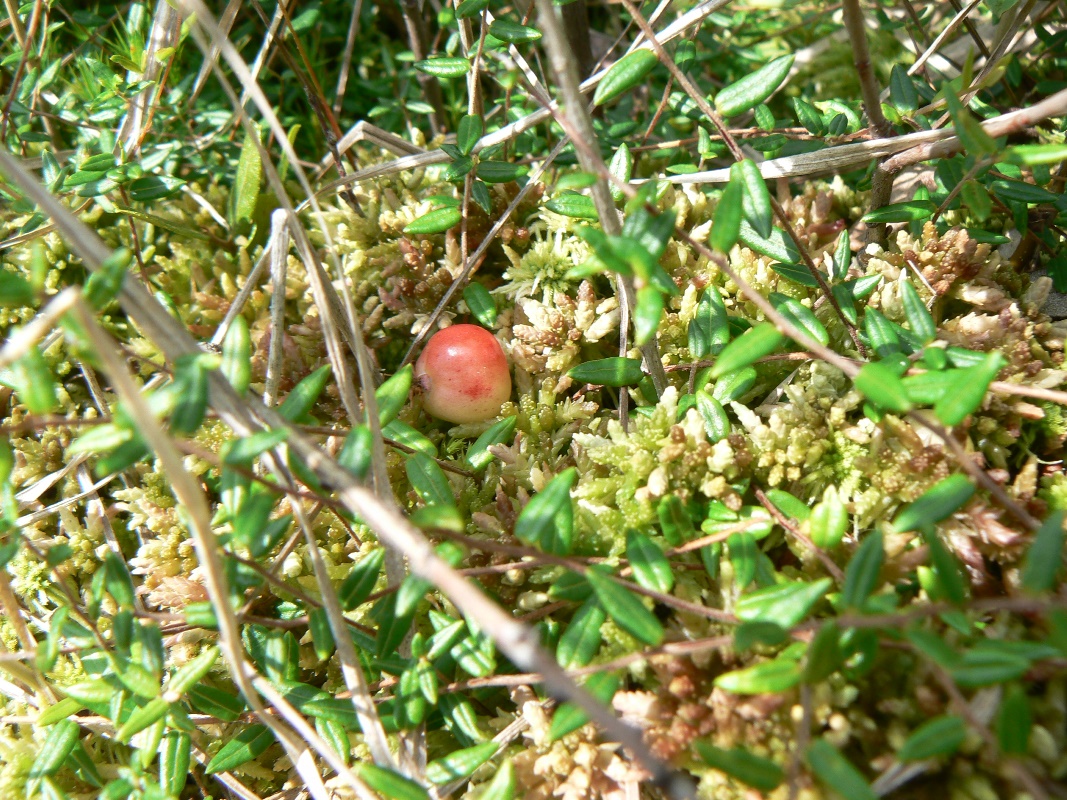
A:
(1014, 721)
(621, 167)
(580, 642)
(443, 67)
(861, 574)
(976, 198)
(902, 93)
(674, 520)
(513, 32)
(174, 756)
(391, 396)
(757, 200)
(481, 304)
(980, 667)
(973, 137)
(247, 744)
(626, 73)
(880, 384)
(609, 372)
(785, 604)
(759, 773)
(743, 555)
(922, 324)
(726, 227)
(143, 717)
(437, 221)
(59, 711)
(824, 654)
(303, 396)
(625, 609)
(940, 736)
(1022, 192)
(460, 764)
(809, 116)
(478, 456)
(709, 330)
(569, 717)
(389, 784)
(716, 423)
(954, 407)
(153, 187)
(1045, 555)
(247, 182)
(950, 580)
(908, 211)
(471, 8)
(32, 379)
(801, 316)
(60, 743)
(500, 171)
(468, 132)
(361, 580)
(191, 672)
(548, 519)
(756, 343)
(936, 503)
(571, 204)
(775, 246)
(236, 364)
(837, 773)
(647, 314)
(650, 566)
(1033, 155)
(776, 675)
(789, 505)
(734, 385)
(754, 88)
(504, 784)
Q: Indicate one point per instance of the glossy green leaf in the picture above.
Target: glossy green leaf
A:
(756, 203)
(471, 8)
(58, 711)
(247, 182)
(481, 304)
(1014, 721)
(788, 504)
(357, 453)
(650, 566)
(621, 167)
(500, 432)
(976, 198)
(513, 32)
(824, 654)
(674, 520)
(581, 641)
(1033, 155)
(743, 552)
(246, 744)
(907, 211)
(571, 204)
(922, 324)
(32, 379)
(862, 572)
(902, 93)
(391, 396)
(460, 764)
(1022, 192)
(950, 580)
(880, 384)
(726, 227)
(500, 171)
(191, 672)
(973, 137)
(626, 73)
(734, 385)
(776, 675)
(716, 423)
(608, 372)
(756, 343)
(143, 717)
(647, 314)
(60, 743)
(625, 609)
(174, 758)
(428, 480)
(443, 67)
(752, 770)
(153, 187)
(753, 89)
(468, 132)
(504, 784)
(775, 246)
(784, 604)
(987, 667)
(389, 784)
(954, 407)
(801, 316)
(436, 221)
(809, 116)
(1044, 558)
(940, 736)
(547, 521)
(709, 330)
(237, 355)
(936, 503)
(837, 773)
(304, 395)
(569, 717)
(361, 580)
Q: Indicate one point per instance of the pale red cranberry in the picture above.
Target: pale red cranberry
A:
(464, 374)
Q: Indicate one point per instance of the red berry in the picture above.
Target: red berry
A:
(464, 374)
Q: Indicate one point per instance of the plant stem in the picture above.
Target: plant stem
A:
(861, 55)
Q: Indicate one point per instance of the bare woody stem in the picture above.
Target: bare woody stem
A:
(576, 110)
(861, 56)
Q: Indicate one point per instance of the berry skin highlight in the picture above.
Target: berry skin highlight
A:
(464, 374)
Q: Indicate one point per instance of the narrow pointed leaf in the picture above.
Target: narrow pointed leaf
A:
(752, 770)
(953, 408)
(650, 566)
(760, 341)
(547, 521)
(837, 773)
(861, 574)
(936, 503)
(777, 675)
(609, 372)
(625, 609)
(785, 604)
(626, 73)
(1045, 555)
(754, 88)
(249, 743)
(580, 642)
(756, 202)
(940, 736)
(726, 227)
(880, 384)
(436, 221)
(569, 717)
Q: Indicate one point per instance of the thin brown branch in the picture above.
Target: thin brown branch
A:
(861, 57)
